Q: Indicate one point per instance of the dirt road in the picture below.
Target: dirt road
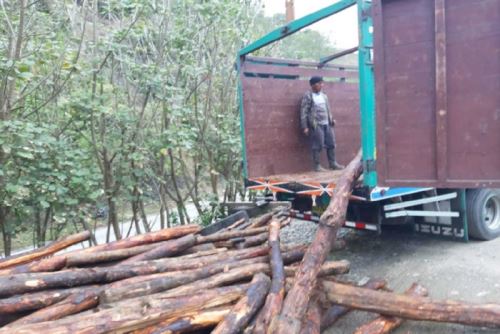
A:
(449, 270)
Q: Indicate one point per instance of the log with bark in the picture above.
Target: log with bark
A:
(230, 235)
(385, 324)
(44, 251)
(36, 300)
(165, 249)
(189, 323)
(335, 312)
(274, 299)
(23, 283)
(76, 302)
(137, 314)
(239, 316)
(411, 307)
(58, 262)
(312, 322)
(144, 285)
(297, 300)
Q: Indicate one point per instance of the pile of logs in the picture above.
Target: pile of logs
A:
(240, 279)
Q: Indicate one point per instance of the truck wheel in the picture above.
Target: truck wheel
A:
(483, 213)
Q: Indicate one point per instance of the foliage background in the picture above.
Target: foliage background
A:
(123, 105)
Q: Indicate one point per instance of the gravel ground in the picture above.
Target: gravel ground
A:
(448, 269)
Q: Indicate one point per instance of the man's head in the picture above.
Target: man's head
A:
(316, 83)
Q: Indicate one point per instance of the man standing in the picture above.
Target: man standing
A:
(316, 122)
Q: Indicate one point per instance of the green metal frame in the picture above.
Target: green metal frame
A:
(296, 25)
(367, 92)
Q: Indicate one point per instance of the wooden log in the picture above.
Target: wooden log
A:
(328, 268)
(72, 304)
(190, 322)
(230, 235)
(254, 240)
(214, 251)
(384, 324)
(297, 300)
(35, 301)
(136, 315)
(335, 312)
(44, 251)
(234, 275)
(312, 321)
(274, 299)
(246, 307)
(80, 259)
(261, 221)
(58, 262)
(415, 308)
(198, 248)
(165, 249)
(145, 285)
(235, 225)
(23, 283)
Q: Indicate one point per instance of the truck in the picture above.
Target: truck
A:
(423, 104)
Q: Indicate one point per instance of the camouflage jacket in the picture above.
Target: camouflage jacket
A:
(308, 111)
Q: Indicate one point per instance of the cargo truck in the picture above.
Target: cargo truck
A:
(423, 104)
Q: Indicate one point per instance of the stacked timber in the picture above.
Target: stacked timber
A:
(240, 279)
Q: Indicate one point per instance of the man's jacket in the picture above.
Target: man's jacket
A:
(308, 111)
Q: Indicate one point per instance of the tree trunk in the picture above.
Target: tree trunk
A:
(164, 249)
(135, 315)
(242, 312)
(45, 251)
(75, 303)
(335, 312)
(415, 308)
(22, 283)
(274, 299)
(190, 322)
(297, 300)
(254, 240)
(145, 285)
(230, 235)
(80, 259)
(37, 300)
(312, 322)
(384, 324)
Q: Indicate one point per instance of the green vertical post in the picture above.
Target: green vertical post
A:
(367, 92)
(242, 118)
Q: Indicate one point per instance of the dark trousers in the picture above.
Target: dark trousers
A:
(322, 137)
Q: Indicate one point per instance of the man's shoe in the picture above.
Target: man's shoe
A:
(336, 166)
(319, 168)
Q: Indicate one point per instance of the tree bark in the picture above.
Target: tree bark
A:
(261, 221)
(37, 300)
(165, 249)
(23, 283)
(79, 259)
(415, 308)
(44, 251)
(274, 299)
(312, 322)
(58, 262)
(146, 285)
(335, 312)
(138, 314)
(230, 235)
(384, 324)
(254, 240)
(77, 302)
(191, 322)
(297, 300)
(242, 312)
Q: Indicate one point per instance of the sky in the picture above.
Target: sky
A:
(341, 28)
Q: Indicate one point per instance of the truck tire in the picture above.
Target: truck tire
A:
(483, 213)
